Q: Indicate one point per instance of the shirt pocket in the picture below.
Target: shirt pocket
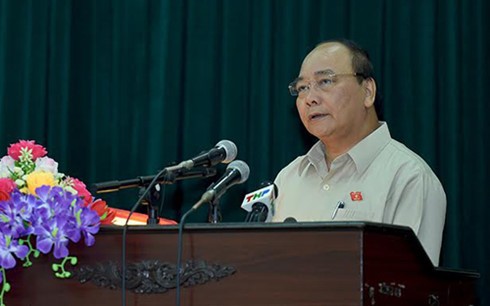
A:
(355, 212)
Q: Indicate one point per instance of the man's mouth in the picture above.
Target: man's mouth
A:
(316, 116)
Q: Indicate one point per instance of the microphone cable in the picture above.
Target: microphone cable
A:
(160, 209)
(180, 247)
(125, 229)
(237, 172)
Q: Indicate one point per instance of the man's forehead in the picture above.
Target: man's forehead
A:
(327, 51)
(330, 47)
(329, 57)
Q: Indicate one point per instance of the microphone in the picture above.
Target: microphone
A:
(290, 220)
(237, 172)
(224, 152)
(260, 203)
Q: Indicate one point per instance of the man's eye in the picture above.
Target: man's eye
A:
(302, 88)
(325, 82)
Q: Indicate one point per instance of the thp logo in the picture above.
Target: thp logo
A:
(256, 195)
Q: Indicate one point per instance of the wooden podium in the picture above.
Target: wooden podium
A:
(307, 264)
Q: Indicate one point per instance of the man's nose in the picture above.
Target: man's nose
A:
(312, 97)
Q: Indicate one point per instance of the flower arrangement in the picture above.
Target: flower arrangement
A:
(42, 210)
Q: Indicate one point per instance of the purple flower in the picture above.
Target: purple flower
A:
(57, 200)
(53, 233)
(9, 246)
(25, 204)
(87, 224)
(64, 218)
(15, 213)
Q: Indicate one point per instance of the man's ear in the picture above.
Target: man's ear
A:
(370, 89)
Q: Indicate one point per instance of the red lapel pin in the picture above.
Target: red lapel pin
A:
(356, 196)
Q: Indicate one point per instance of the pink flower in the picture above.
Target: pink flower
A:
(82, 191)
(6, 187)
(37, 150)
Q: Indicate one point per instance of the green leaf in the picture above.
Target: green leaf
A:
(73, 261)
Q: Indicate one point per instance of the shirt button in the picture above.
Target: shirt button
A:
(326, 187)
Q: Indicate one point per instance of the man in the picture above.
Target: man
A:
(356, 171)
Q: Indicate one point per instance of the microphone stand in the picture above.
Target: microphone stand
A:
(154, 195)
(214, 215)
(151, 200)
(165, 177)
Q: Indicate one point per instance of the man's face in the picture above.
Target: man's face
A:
(337, 109)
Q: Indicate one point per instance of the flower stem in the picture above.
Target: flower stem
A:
(61, 267)
(27, 260)
(5, 286)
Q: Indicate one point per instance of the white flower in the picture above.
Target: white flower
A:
(7, 165)
(46, 164)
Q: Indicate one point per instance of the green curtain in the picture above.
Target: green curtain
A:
(117, 89)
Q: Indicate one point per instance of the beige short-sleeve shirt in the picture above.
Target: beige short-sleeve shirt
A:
(378, 180)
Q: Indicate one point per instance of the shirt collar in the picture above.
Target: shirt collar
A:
(366, 150)
(363, 153)
(315, 157)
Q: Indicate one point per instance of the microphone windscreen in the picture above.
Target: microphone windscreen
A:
(290, 220)
(230, 149)
(242, 168)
